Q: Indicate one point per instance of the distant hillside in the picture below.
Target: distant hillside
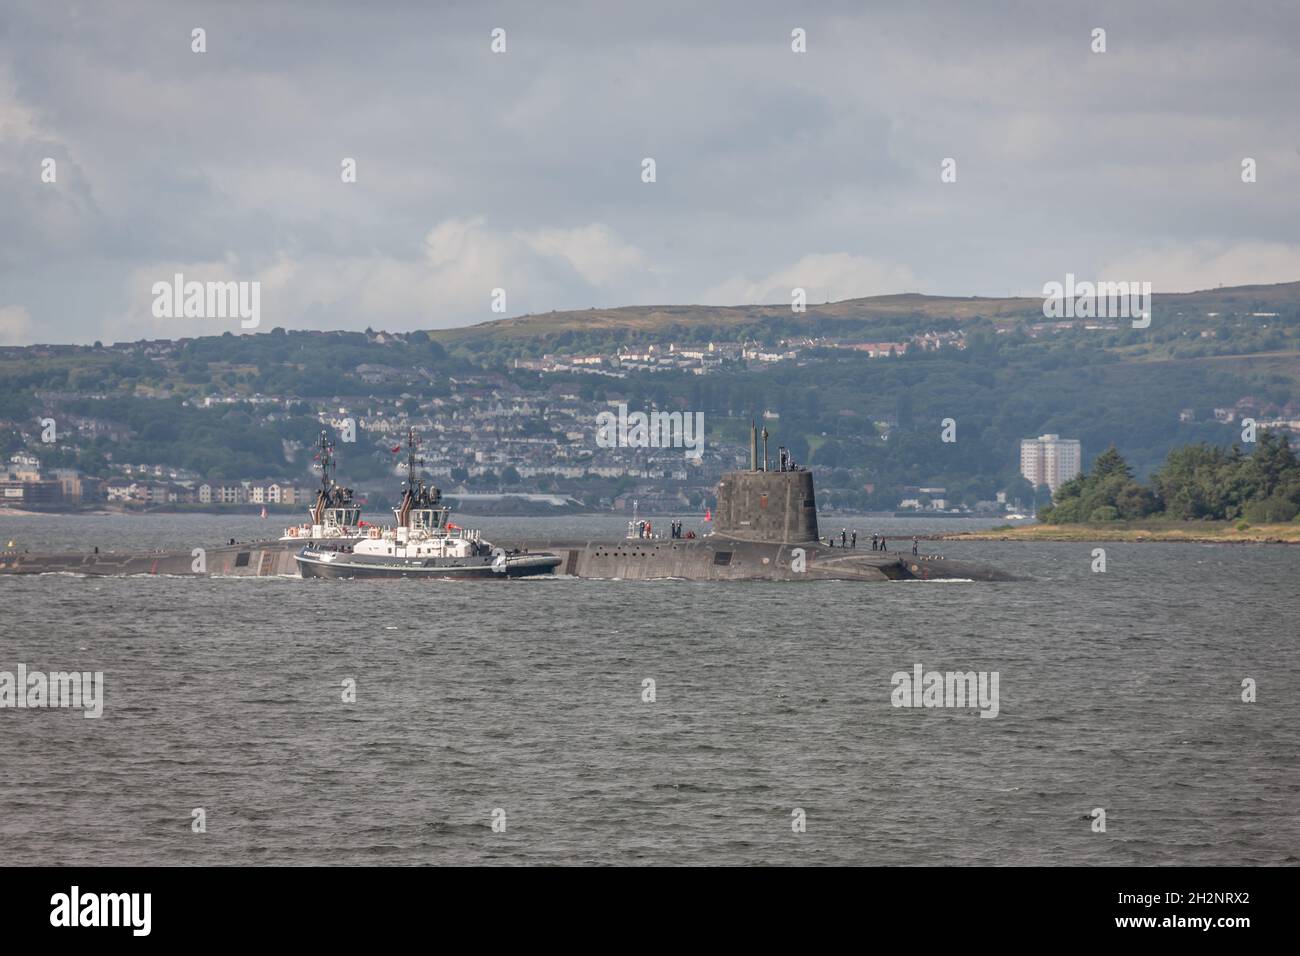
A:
(857, 389)
(849, 315)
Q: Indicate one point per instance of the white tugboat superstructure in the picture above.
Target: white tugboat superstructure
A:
(334, 516)
(423, 543)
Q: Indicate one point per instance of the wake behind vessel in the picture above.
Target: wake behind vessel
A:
(423, 544)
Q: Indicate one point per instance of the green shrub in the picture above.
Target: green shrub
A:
(1104, 513)
(1274, 510)
(1066, 512)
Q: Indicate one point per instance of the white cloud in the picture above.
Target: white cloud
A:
(18, 121)
(824, 276)
(449, 282)
(1192, 266)
(15, 325)
(593, 251)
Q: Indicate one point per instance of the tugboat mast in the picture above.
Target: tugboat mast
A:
(325, 452)
(410, 496)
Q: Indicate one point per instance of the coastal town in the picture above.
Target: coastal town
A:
(484, 435)
(507, 431)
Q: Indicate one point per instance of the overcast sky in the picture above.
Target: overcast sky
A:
(523, 170)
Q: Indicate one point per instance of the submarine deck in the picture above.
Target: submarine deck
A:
(719, 557)
(713, 558)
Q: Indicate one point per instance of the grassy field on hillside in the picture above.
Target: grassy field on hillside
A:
(1215, 532)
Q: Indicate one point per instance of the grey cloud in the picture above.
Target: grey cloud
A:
(766, 159)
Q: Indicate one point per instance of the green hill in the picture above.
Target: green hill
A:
(694, 323)
(230, 405)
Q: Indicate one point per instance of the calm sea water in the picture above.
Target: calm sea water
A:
(1119, 690)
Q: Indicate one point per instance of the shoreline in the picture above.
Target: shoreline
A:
(1190, 533)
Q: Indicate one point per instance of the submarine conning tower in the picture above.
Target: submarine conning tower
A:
(767, 504)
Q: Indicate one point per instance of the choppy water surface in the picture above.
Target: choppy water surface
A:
(1119, 690)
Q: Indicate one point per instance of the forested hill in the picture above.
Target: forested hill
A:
(879, 315)
(229, 405)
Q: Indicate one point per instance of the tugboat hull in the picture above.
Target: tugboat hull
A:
(313, 564)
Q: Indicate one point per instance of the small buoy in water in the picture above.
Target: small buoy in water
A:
(9, 545)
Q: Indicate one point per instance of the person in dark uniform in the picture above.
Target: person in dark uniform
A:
(915, 542)
(844, 537)
(875, 541)
(854, 539)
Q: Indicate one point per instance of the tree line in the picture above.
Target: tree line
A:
(1196, 482)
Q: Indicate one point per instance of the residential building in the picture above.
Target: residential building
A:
(1050, 460)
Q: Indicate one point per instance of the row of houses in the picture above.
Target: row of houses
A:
(129, 491)
(703, 358)
(24, 483)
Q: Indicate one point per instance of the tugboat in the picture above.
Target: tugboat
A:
(423, 544)
(334, 515)
(334, 518)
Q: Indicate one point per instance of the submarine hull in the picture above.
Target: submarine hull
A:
(254, 559)
(718, 558)
(765, 529)
(715, 558)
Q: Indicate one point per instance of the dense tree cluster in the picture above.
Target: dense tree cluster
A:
(1199, 481)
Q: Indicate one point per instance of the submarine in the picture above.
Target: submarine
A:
(765, 528)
